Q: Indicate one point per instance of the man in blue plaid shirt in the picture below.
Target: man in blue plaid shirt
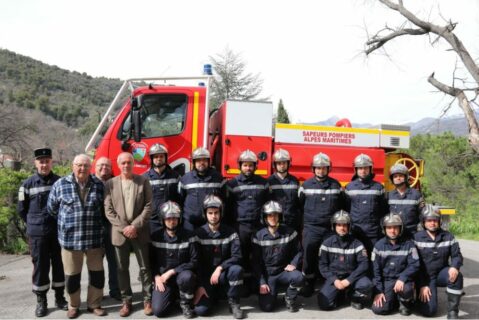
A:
(77, 202)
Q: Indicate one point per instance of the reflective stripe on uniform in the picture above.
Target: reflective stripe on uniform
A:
(236, 283)
(364, 192)
(216, 242)
(166, 245)
(163, 181)
(249, 187)
(453, 291)
(391, 253)
(58, 284)
(41, 288)
(284, 187)
(405, 201)
(34, 191)
(434, 244)
(268, 243)
(321, 191)
(21, 194)
(202, 185)
(186, 295)
(342, 251)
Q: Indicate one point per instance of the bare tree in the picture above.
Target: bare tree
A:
(231, 80)
(15, 132)
(459, 89)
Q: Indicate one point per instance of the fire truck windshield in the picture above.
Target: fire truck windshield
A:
(161, 115)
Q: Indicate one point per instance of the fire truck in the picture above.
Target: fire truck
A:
(174, 111)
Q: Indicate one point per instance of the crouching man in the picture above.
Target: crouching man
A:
(220, 258)
(343, 262)
(277, 255)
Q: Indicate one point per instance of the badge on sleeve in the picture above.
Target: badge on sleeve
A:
(373, 256)
(414, 253)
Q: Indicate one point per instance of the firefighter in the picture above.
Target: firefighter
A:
(343, 262)
(163, 180)
(220, 258)
(395, 264)
(408, 202)
(278, 256)
(247, 193)
(42, 233)
(284, 189)
(174, 259)
(195, 185)
(436, 248)
(321, 197)
(365, 202)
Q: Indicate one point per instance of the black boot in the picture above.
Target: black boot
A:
(186, 308)
(41, 309)
(235, 308)
(404, 308)
(453, 301)
(308, 289)
(60, 301)
(291, 304)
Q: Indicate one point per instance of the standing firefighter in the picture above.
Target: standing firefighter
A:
(407, 201)
(277, 256)
(164, 182)
(284, 189)
(220, 257)
(395, 264)
(42, 233)
(436, 248)
(365, 202)
(196, 185)
(322, 197)
(343, 262)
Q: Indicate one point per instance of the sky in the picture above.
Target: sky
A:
(308, 53)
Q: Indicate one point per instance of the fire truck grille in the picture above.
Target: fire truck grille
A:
(395, 141)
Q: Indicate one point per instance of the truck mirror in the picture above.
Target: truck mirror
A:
(136, 104)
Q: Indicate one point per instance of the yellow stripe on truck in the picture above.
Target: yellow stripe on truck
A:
(196, 104)
(237, 171)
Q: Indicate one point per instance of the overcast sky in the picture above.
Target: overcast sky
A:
(307, 52)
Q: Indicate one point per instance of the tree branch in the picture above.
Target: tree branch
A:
(377, 41)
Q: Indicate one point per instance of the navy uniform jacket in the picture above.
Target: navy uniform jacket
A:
(32, 205)
(321, 200)
(394, 262)
(366, 204)
(179, 252)
(246, 197)
(164, 187)
(435, 254)
(193, 188)
(221, 248)
(408, 206)
(285, 191)
(272, 253)
(343, 258)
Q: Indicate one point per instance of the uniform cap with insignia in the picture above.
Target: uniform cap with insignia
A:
(42, 153)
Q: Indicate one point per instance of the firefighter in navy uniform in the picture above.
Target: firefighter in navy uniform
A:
(395, 264)
(321, 197)
(195, 185)
(220, 256)
(408, 202)
(343, 262)
(42, 233)
(164, 182)
(436, 248)
(247, 193)
(284, 189)
(174, 259)
(277, 256)
(365, 202)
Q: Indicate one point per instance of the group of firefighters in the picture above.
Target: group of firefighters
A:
(212, 238)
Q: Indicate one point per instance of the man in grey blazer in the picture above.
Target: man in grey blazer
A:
(128, 207)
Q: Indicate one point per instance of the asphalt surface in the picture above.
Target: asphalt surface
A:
(18, 302)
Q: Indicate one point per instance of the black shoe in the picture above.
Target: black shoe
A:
(41, 309)
(403, 309)
(307, 290)
(357, 305)
(186, 309)
(291, 304)
(235, 309)
(61, 303)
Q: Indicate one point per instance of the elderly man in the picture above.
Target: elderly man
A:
(128, 207)
(103, 172)
(75, 201)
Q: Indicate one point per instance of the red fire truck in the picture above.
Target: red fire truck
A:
(174, 111)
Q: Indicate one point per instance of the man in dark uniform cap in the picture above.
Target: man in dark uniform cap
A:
(42, 232)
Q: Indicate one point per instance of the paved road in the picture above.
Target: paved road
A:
(17, 300)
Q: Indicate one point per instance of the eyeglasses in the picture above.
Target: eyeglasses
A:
(103, 165)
